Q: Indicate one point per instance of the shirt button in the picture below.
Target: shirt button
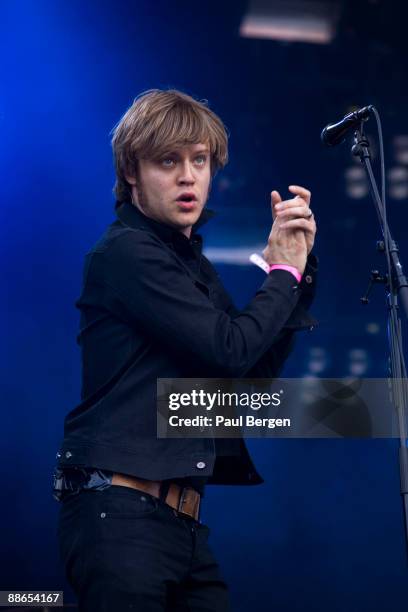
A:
(201, 465)
(308, 279)
(103, 514)
(68, 455)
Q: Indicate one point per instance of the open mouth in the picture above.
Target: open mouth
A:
(186, 201)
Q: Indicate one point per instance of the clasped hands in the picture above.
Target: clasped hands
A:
(293, 230)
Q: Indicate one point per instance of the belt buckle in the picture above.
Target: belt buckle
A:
(182, 500)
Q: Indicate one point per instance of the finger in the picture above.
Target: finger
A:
(295, 211)
(301, 191)
(275, 199)
(293, 202)
(304, 224)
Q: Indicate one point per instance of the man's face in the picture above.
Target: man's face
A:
(174, 188)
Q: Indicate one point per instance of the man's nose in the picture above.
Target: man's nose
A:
(186, 173)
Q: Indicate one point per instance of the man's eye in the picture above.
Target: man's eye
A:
(201, 159)
(167, 162)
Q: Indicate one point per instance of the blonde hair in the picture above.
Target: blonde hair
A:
(159, 121)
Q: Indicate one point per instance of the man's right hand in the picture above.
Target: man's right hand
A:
(288, 245)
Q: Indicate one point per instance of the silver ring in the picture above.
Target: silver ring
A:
(310, 215)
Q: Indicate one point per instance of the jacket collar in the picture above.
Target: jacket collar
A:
(130, 215)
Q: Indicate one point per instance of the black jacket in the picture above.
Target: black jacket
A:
(152, 306)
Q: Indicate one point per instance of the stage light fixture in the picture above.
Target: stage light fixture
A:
(291, 21)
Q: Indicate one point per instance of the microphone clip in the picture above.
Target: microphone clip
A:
(361, 145)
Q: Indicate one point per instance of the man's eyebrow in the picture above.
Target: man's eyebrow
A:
(176, 152)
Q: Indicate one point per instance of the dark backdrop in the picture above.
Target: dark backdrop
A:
(325, 531)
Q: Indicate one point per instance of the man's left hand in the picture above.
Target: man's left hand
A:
(295, 213)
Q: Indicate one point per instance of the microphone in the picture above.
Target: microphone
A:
(335, 133)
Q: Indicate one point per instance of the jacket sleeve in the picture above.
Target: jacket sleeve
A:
(141, 280)
(271, 363)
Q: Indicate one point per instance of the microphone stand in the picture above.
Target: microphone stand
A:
(396, 287)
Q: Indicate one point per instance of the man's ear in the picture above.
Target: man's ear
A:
(130, 179)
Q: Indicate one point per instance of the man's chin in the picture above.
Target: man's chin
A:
(187, 218)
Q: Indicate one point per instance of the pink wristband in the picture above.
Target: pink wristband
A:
(290, 269)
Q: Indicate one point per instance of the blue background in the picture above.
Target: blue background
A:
(325, 532)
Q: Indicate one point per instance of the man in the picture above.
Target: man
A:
(152, 306)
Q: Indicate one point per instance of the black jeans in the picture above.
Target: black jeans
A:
(126, 550)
